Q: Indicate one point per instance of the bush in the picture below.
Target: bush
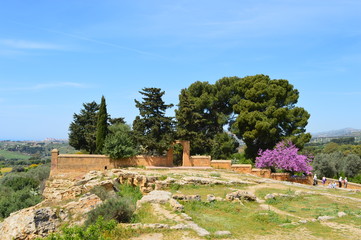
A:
(119, 209)
(118, 144)
(240, 158)
(130, 192)
(20, 190)
(101, 192)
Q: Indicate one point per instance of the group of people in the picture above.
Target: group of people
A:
(341, 182)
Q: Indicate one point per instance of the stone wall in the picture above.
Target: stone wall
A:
(199, 161)
(221, 164)
(82, 163)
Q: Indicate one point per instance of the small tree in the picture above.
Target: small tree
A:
(118, 143)
(285, 157)
(102, 126)
(82, 131)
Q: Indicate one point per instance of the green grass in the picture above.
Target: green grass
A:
(146, 215)
(309, 206)
(204, 190)
(239, 220)
(13, 155)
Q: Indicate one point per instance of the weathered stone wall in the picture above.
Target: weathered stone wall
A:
(81, 163)
(242, 168)
(200, 161)
(221, 164)
(280, 176)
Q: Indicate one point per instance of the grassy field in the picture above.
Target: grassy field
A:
(13, 155)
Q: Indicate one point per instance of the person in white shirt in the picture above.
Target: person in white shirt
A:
(340, 182)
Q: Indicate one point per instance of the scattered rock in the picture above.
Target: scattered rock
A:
(222, 233)
(176, 205)
(303, 221)
(241, 195)
(184, 197)
(341, 214)
(325, 218)
(155, 196)
(211, 198)
(186, 217)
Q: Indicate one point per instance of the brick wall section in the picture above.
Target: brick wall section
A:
(221, 164)
(200, 161)
(67, 163)
(242, 168)
(265, 173)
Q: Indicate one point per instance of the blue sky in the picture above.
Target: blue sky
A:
(56, 55)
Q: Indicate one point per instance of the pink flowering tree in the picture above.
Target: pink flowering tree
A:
(285, 157)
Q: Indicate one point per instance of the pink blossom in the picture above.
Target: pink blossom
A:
(284, 156)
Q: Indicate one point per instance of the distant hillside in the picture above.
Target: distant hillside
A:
(325, 137)
(345, 132)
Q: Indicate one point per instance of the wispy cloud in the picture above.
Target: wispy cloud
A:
(42, 86)
(351, 93)
(56, 85)
(22, 44)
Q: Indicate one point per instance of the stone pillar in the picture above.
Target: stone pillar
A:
(186, 153)
(54, 159)
(170, 156)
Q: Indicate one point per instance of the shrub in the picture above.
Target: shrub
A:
(119, 209)
(96, 231)
(101, 192)
(133, 193)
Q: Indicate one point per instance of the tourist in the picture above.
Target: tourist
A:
(345, 182)
(340, 182)
(323, 181)
(315, 180)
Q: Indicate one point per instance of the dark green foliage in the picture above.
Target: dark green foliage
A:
(101, 192)
(195, 118)
(119, 143)
(352, 165)
(324, 165)
(337, 164)
(239, 158)
(20, 190)
(82, 131)
(17, 183)
(267, 114)
(152, 130)
(260, 111)
(102, 126)
(119, 209)
(344, 140)
(131, 192)
(223, 146)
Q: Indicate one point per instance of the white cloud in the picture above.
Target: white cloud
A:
(42, 86)
(21, 44)
(56, 85)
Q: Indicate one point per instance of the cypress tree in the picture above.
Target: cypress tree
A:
(102, 126)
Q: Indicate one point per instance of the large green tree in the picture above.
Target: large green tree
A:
(153, 130)
(267, 114)
(203, 110)
(260, 111)
(82, 131)
(102, 126)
